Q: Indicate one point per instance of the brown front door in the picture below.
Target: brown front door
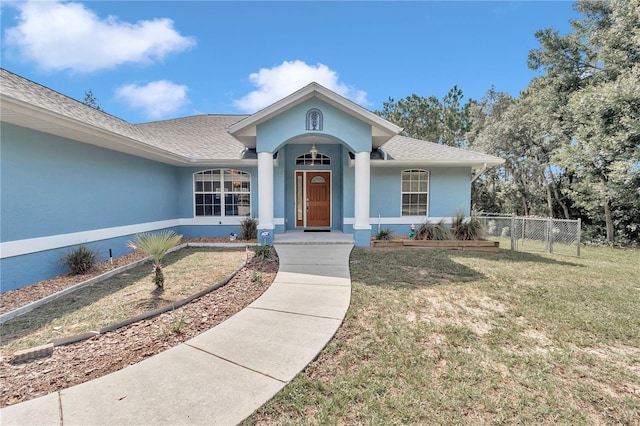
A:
(317, 206)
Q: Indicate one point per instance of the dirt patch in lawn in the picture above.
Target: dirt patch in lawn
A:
(103, 354)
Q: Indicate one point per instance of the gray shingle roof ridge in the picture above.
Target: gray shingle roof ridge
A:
(187, 117)
(408, 147)
(48, 89)
(36, 94)
(429, 142)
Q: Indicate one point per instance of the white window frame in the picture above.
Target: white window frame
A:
(222, 193)
(320, 160)
(402, 192)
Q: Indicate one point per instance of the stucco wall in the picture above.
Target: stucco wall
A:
(277, 131)
(51, 186)
(449, 193)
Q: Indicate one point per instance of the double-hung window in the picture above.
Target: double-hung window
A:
(415, 192)
(222, 192)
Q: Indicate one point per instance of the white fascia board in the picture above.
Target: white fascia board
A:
(478, 164)
(216, 162)
(44, 120)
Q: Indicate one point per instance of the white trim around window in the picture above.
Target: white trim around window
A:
(414, 192)
(221, 193)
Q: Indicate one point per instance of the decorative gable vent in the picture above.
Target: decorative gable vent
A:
(314, 119)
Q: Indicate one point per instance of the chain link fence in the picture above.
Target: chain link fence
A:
(533, 234)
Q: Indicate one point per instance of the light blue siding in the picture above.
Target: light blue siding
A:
(279, 176)
(348, 186)
(52, 186)
(385, 193)
(449, 191)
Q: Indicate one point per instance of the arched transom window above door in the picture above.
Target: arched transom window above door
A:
(308, 160)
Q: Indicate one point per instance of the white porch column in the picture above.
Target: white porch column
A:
(265, 188)
(362, 189)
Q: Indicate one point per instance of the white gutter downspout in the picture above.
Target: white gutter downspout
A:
(484, 168)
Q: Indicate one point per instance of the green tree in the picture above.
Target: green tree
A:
(445, 122)
(594, 72)
(156, 245)
(91, 100)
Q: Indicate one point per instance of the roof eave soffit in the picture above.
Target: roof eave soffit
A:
(33, 117)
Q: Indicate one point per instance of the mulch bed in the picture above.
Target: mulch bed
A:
(103, 354)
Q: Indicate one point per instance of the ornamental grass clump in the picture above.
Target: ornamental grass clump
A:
(156, 245)
(468, 229)
(265, 252)
(249, 228)
(81, 259)
(384, 234)
(433, 231)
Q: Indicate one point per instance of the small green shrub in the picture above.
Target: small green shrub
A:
(467, 229)
(156, 245)
(249, 228)
(264, 252)
(384, 234)
(433, 231)
(81, 259)
(176, 323)
(256, 277)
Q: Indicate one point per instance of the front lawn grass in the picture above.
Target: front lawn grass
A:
(442, 337)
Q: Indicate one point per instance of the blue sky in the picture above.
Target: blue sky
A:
(154, 60)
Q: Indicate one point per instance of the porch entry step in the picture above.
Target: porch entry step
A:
(318, 237)
(317, 230)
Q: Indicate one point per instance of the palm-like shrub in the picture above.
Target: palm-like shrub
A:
(467, 229)
(156, 245)
(433, 231)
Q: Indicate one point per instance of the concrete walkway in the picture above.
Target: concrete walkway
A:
(223, 375)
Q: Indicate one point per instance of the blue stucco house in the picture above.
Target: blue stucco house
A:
(71, 174)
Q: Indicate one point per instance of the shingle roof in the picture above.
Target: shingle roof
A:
(200, 137)
(204, 137)
(402, 148)
(36, 94)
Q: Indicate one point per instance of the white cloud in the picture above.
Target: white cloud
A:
(156, 99)
(273, 84)
(68, 36)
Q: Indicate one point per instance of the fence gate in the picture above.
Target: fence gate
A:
(533, 234)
